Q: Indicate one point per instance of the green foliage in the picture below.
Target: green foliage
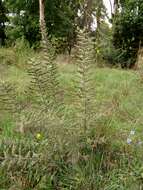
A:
(8, 97)
(43, 71)
(60, 17)
(51, 152)
(65, 157)
(17, 54)
(42, 79)
(21, 164)
(104, 50)
(96, 162)
(7, 57)
(3, 19)
(62, 45)
(128, 31)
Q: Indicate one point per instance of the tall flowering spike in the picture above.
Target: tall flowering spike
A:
(85, 60)
(47, 57)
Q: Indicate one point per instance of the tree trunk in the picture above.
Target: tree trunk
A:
(42, 20)
(87, 19)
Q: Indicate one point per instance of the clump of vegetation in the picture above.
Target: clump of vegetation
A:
(127, 31)
(7, 56)
(55, 149)
(69, 126)
(17, 55)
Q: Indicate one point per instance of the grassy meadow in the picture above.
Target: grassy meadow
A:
(57, 153)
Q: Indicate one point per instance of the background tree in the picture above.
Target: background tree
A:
(100, 15)
(3, 19)
(42, 19)
(59, 17)
(128, 31)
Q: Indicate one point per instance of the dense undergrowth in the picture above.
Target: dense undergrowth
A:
(47, 146)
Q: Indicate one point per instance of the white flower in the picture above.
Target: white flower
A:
(129, 140)
(79, 13)
(132, 132)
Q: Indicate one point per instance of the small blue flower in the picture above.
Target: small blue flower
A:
(129, 140)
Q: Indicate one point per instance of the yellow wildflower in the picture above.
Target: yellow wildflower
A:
(38, 136)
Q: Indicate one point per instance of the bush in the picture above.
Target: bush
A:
(16, 55)
(7, 56)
